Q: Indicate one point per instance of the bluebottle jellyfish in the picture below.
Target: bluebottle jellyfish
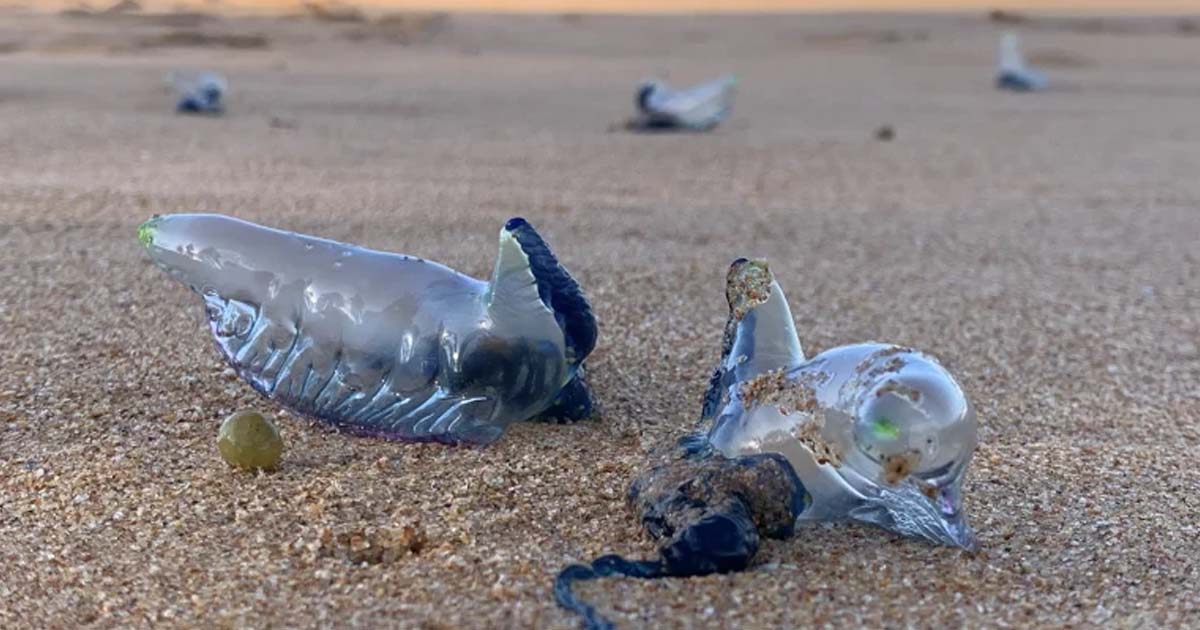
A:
(386, 344)
(873, 433)
(878, 433)
(200, 93)
(1012, 73)
(698, 108)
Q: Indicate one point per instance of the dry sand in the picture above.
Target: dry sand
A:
(1044, 246)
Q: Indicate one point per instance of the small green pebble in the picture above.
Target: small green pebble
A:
(249, 440)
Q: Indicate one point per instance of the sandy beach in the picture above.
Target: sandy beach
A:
(1043, 246)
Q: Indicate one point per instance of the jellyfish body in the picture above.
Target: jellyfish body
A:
(386, 344)
(202, 93)
(698, 108)
(877, 433)
(1013, 74)
(873, 433)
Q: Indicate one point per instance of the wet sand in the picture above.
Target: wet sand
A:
(626, 7)
(1043, 246)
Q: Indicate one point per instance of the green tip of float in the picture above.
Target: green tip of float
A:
(146, 231)
(885, 429)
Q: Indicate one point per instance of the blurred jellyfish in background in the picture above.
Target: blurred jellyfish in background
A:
(199, 92)
(1013, 74)
(698, 108)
